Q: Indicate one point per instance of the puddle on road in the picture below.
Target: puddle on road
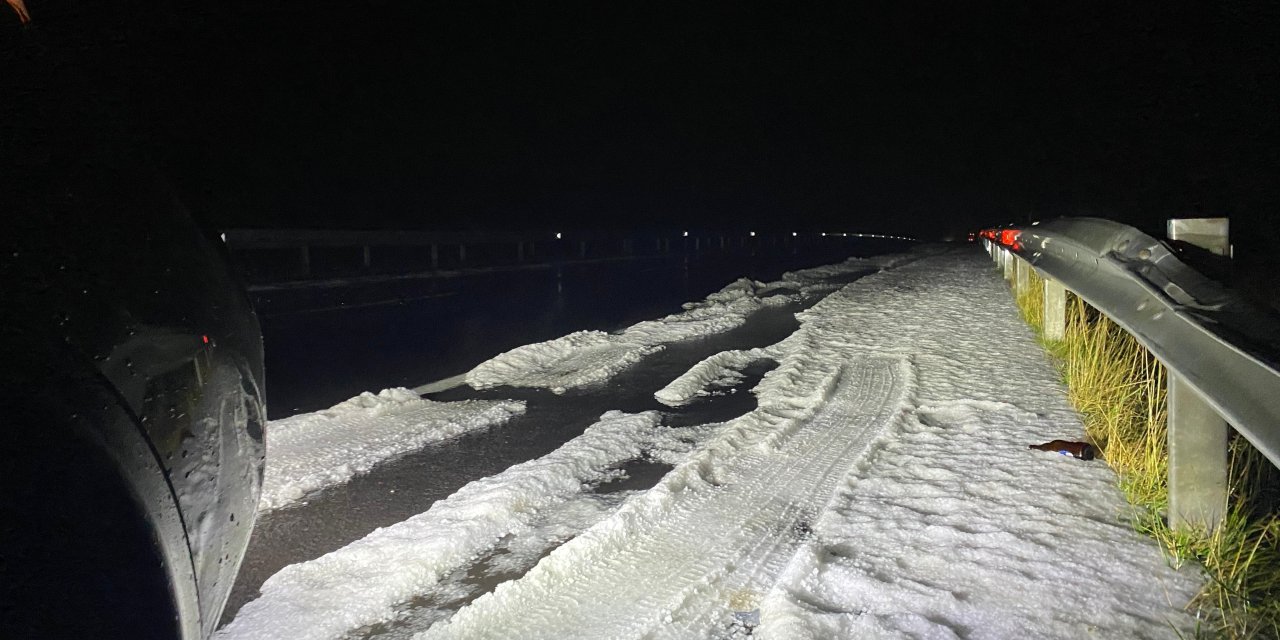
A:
(409, 485)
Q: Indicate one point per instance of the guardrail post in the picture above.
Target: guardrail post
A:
(1006, 260)
(1197, 434)
(1197, 459)
(1023, 269)
(1055, 310)
(1213, 234)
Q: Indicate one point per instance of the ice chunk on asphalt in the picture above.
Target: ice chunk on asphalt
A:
(717, 369)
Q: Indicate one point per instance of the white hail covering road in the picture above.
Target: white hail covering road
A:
(882, 488)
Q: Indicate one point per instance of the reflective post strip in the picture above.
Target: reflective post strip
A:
(1006, 259)
(1197, 460)
(1055, 310)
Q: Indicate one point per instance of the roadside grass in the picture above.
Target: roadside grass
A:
(1119, 390)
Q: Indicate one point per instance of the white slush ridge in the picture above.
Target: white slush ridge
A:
(311, 451)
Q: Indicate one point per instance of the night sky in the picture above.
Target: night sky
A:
(912, 118)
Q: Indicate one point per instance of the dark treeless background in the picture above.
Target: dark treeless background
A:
(922, 119)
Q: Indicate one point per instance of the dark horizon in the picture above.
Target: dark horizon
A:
(909, 120)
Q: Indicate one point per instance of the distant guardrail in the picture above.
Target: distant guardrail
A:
(1221, 352)
(300, 255)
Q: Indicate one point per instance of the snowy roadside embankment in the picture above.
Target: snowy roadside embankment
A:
(363, 582)
(311, 451)
(591, 357)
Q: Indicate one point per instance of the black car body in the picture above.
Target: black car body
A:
(131, 408)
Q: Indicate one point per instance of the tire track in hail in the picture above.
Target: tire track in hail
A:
(790, 535)
(690, 550)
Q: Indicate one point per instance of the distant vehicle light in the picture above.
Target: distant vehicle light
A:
(558, 236)
(686, 234)
(753, 234)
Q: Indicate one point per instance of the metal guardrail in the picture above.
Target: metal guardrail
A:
(1212, 341)
(275, 256)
